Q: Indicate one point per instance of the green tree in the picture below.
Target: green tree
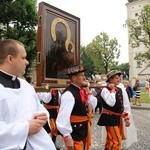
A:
(105, 51)
(124, 68)
(96, 59)
(139, 32)
(18, 19)
(87, 62)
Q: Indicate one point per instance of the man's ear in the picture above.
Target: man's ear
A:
(9, 59)
(74, 77)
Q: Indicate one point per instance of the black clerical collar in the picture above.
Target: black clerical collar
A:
(9, 81)
(8, 76)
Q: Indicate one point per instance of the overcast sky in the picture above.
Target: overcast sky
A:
(98, 16)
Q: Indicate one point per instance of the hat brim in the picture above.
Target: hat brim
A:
(119, 74)
(76, 72)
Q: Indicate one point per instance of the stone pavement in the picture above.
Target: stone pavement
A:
(141, 116)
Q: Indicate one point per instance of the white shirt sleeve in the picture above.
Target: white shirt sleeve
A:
(126, 104)
(127, 107)
(92, 101)
(45, 96)
(109, 98)
(63, 118)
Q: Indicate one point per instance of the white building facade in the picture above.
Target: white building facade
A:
(137, 70)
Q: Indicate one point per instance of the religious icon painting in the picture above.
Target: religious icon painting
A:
(58, 44)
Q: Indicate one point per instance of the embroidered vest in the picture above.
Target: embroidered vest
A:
(111, 119)
(79, 109)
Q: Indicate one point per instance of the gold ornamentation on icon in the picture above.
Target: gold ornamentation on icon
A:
(68, 41)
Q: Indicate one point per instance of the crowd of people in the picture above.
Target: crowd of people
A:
(28, 124)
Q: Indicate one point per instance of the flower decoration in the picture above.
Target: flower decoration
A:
(75, 69)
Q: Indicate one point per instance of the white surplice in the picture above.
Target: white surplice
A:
(17, 106)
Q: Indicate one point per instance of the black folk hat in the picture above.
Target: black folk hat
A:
(112, 73)
(72, 70)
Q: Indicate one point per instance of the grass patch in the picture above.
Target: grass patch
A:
(145, 98)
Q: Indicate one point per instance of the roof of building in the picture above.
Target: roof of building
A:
(145, 71)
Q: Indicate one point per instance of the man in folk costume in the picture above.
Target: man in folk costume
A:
(116, 107)
(73, 120)
(51, 103)
(22, 117)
